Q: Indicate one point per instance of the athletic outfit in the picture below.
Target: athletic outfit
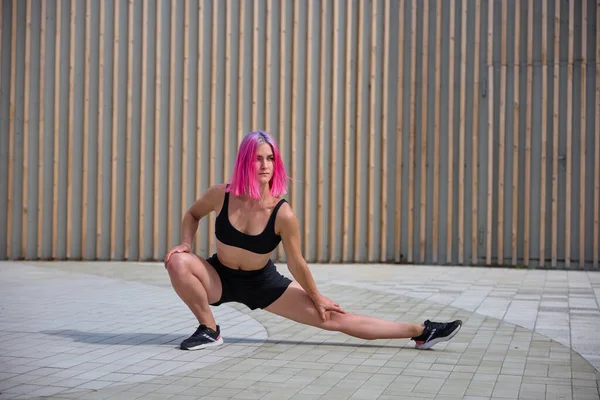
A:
(260, 288)
(255, 289)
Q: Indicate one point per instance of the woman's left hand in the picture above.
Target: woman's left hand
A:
(324, 304)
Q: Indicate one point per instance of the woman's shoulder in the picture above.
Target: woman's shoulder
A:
(216, 192)
(285, 210)
(218, 188)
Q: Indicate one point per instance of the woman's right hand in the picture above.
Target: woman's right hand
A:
(182, 248)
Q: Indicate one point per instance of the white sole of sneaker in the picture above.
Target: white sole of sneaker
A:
(435, 341)
(205, 345)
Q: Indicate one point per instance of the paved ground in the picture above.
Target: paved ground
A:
(111, 330)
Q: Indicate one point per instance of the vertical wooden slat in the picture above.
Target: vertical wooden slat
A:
(86, 130)
(283, 95)
(323, 101)
(569, 135)
(115, 134)
(269, 66)
(241, 74)
(372, 124)
(171, 172)
(255, 64)
(475, 138)
(516, 107)
(129, 134)
(596, 254)
(295, 90)
(502, 135)
(228, 57)
(26, 132)
(42, 130)
(544, 133)
(284, 110)
(461, 133)
(527, 205)
(450, 209)
(582, 155)
(100, 142)
(490, 94)
(11, 131)
(350, 82)
(399, 133)
(423, 177)
(200, 107)
(71, 133)
(56, 133)
(556, 111)
(384, 133)
(143, 101)
(157, 118)
(213, 122)
(436, 134)
(184, 130)
(333, 198)
(308, 135)
(412, 133)
(360, 112)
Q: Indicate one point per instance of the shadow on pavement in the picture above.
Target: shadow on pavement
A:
(141, 338)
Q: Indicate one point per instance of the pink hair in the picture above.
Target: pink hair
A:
(244, 180)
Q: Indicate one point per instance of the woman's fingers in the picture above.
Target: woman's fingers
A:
(168, 255)
(323, 314)
(337, 308)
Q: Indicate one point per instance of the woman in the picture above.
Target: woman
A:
(252, 218)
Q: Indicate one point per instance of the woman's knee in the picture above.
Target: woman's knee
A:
(336, 321)
(180, 264)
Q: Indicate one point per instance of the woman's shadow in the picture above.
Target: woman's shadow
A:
(141, 338)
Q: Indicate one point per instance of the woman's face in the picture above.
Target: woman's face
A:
(264, 163)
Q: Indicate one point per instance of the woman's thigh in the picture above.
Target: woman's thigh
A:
(203, 271)
(296, 304)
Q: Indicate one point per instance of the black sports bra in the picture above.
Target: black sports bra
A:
(264, 243)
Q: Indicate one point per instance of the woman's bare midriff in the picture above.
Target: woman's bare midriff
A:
(236, 258)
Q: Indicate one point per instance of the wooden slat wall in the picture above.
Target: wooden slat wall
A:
(400, 137)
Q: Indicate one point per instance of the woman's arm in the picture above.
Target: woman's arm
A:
(290, 236)
(197, 211)
(201, 207)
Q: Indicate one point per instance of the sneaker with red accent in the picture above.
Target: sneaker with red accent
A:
(203, 337)
(436, 332)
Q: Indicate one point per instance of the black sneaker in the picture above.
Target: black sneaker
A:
(436, 332)
(202, 338)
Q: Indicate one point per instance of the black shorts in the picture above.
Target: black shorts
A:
(255, 289)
